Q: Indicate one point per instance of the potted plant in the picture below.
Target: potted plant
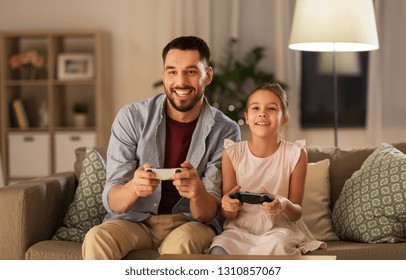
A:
(80, 114)
(28, 63)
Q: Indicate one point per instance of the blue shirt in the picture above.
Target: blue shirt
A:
(138, 137)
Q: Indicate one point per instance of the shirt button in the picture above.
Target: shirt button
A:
(155, 204)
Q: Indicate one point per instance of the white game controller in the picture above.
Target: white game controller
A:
(164, 173)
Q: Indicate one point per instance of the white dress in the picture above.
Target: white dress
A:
(253, 232)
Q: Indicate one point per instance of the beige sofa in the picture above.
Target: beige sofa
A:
(31, 212)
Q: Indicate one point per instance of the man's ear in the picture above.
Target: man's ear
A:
(209, 75)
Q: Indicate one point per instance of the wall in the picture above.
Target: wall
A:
(140, 28)
(135, 54)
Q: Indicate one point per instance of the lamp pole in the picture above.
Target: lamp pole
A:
(335, 93)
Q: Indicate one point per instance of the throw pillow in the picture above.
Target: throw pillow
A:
(316, 200)
(87, 209)
(372, 205)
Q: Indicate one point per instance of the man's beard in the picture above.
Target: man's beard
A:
(185, 107)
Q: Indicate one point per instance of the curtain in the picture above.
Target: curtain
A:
(387, 95)
(214, 21)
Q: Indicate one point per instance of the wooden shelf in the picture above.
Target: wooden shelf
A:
(56, 97)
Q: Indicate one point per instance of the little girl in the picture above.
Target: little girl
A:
(266, 164)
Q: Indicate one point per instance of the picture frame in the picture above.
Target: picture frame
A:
(75, 66)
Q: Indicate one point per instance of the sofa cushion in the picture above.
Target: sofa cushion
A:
(87, 209)
(54, 250)
(372, 205)
(80, 155)
(350, 250)
(316, 200)
(343, 163)
(64, 250)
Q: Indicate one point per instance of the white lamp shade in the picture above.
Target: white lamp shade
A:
(334, 25)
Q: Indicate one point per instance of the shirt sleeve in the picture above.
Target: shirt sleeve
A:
(121, 161)
(212, 176)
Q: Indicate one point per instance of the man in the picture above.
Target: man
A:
(177, 128)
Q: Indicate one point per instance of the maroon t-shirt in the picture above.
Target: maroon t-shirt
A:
(178, 138)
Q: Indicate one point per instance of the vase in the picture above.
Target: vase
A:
(28, 73)
(43, 115)
(79, 120)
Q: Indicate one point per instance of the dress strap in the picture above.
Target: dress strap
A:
(228, 143)
(300, 143)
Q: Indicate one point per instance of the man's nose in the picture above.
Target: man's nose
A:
(181, 79)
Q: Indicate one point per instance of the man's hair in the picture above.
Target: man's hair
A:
(189, 43)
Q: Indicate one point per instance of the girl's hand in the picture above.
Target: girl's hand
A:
(276, 207)
(231, 204)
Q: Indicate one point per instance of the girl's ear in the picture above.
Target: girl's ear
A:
(246, 117)
(284, 121)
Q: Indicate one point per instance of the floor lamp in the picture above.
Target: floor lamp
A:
(334, 26)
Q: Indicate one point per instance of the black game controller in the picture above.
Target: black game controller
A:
(252, 198)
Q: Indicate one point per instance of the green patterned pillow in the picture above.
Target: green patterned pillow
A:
(372, 205)
(87, 209)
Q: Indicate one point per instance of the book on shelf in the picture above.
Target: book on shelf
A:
(19, 114)
(13, 115)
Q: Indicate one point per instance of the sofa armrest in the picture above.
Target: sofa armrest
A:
(32, 210)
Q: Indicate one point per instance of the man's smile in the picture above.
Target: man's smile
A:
(182, 92)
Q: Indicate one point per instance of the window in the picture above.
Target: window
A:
(317, 100)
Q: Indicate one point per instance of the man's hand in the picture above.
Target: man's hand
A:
(188, 182)
(203, 206)
(122, 197)
(144, 183)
